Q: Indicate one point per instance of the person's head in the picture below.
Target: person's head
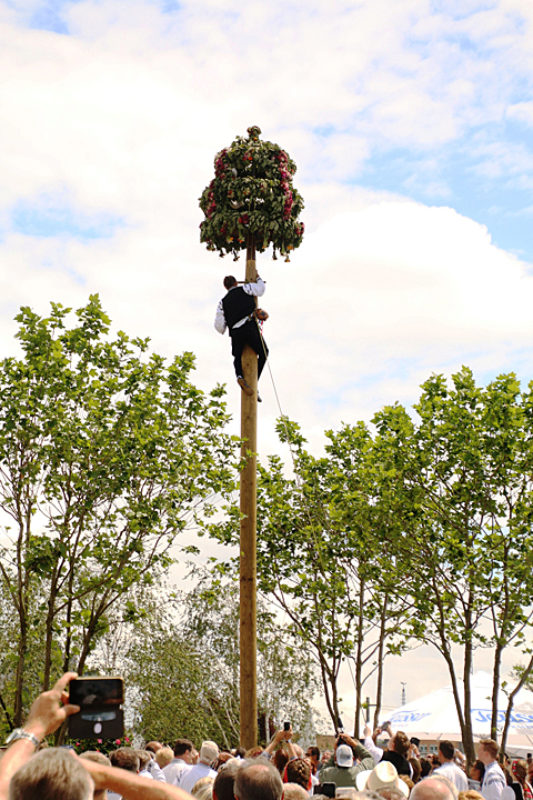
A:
(208, 752)
(99, 758)
(229, 281)
(446, 750)
(470, 794)
(225, 780)
(298, 770)
(519, 768)
(383, 777)
(258, 780)
(487, 751)
(144, 759)
(164, 756)
(477, 770)
(183, 750)
(436, 787)
(125, 758)
(50, 774)
(344, 756)
(153, 747)
(425, 767)
(223, 757)
(313, 754)
(96, 756)
(253, 752)
(390, 794)
(400, 743)
(294, 791)
(203, 788)
(280, 759)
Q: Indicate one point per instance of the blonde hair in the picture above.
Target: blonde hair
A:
(490, 746)
(203, 788)
(164, 756)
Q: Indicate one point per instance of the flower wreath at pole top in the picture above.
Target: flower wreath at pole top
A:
(252, 199)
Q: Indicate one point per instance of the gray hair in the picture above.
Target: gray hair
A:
(50, 774)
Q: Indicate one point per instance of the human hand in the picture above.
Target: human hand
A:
(51, 708)
(348, 740)
(279, 736)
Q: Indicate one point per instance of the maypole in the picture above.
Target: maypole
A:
(249, 205)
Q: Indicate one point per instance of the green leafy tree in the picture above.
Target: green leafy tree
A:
(319, 558)
(464, 474)
(182, 664)
(107, 453)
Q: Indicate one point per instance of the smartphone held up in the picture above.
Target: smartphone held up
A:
(100, 701)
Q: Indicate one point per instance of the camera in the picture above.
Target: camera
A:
(100, 715)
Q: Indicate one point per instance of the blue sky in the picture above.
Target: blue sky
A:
(411, 123)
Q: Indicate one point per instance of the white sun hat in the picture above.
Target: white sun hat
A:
(383, 776)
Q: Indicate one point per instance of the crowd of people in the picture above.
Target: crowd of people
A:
(281, 771)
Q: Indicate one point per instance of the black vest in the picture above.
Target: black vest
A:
(237, 305)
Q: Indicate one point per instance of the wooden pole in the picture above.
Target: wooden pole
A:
(248, 568)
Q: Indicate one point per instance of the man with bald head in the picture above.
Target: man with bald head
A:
(435, 787)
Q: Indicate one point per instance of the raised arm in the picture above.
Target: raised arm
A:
(257, 288)
(47, 713)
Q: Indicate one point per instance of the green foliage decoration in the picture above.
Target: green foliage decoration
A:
(251, 198)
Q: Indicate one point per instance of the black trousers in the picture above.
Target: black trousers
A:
(248, 334)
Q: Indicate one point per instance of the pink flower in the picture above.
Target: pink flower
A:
(99, 741)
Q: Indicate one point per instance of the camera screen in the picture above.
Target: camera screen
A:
(96, 691)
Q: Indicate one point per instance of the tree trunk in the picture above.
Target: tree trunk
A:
(496, 671)
(359, 662)
(379, 682)
(525, 675)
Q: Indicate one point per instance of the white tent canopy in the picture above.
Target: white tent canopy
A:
(434, 716)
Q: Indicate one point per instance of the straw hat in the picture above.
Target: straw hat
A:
(383, 776)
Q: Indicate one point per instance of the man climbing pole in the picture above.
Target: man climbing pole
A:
(249, 205)
(236, 311)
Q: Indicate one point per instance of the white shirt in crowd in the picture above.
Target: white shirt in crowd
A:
(493, 782)
(193, 775)
(454, 774)
(174, 772)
